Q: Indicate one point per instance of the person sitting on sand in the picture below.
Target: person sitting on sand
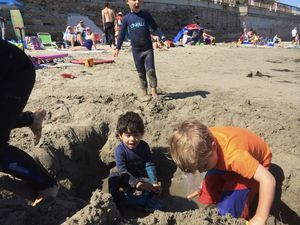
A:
(254, 39)
(88, 43)
(276, 39)
(243, 38)
(17, 78)
(135, 169)
(186, 38)
(208, 39)
(69, 38)
(237, 163)
(250, 33)
(80, 31)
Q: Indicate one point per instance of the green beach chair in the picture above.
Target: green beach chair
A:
(46, 40)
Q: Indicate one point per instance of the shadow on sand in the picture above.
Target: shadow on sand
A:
(183, 95)
(280, 210)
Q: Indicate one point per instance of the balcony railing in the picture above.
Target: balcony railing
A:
(275, 6)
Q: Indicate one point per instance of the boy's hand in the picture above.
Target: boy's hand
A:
(116, 52)
(145, 186)
(157, 188)
(194, 194)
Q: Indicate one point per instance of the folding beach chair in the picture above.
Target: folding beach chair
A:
(46, 40)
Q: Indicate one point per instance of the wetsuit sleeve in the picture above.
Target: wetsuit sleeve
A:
(150, 166)
(155, 27)
(120, 156)
(122, 33)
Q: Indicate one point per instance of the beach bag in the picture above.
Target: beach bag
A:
(36, 43)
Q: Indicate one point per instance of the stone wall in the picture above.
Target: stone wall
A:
(269, 23)
(223, 21)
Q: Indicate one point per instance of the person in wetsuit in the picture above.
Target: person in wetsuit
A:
(138, 23)
(17, 78)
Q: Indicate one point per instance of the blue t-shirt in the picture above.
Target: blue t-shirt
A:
(137, 163)
(139, 26)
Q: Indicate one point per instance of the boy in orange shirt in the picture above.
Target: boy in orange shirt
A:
(237, 162)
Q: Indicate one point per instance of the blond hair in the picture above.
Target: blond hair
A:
(190, 145)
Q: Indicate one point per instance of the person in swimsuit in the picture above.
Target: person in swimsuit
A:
(88, 43)
(108, 20)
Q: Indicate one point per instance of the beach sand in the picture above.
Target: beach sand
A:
(253, 88)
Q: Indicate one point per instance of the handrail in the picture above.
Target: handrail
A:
(274, 6)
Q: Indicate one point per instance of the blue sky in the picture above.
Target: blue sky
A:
(291, 2)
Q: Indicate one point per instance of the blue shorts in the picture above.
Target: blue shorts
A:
(231, 192)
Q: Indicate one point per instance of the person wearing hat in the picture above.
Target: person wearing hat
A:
(80, 31)
(69, 38)
(118, 24)
(88, 43)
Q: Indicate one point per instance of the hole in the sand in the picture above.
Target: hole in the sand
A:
(76, 160)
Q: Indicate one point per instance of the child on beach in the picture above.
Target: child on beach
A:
(138, 24)
(17, 78)
(135, 168)
(236, 161)
(208, 39)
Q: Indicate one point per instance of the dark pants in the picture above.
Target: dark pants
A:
(110, 33)
(117, 181)
(144, 63)
(17, 78)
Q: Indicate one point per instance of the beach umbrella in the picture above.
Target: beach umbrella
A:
(10, 4)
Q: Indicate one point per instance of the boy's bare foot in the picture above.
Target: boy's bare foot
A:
(145, 98)
(50, 192)
(36, 127)
(154, 93)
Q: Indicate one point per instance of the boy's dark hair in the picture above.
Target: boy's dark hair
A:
(106, 4)
(130, 122)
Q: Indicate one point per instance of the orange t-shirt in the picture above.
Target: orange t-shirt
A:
(240, 150)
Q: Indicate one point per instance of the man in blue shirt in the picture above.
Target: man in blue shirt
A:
(135, 168)
(139, 25)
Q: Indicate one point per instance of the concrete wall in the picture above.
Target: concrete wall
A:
(269, 23)
(171, 15)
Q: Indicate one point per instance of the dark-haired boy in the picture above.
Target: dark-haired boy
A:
(135, 168)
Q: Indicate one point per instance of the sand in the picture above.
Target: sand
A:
(220, 85)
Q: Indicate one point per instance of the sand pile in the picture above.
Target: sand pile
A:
(207, 83)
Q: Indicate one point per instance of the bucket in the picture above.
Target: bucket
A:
(89, 62)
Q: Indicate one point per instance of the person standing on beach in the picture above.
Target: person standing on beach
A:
(108, 21)
(17, 78)
(138, 24)
(294, 35)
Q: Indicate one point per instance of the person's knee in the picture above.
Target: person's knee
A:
(152, 78)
